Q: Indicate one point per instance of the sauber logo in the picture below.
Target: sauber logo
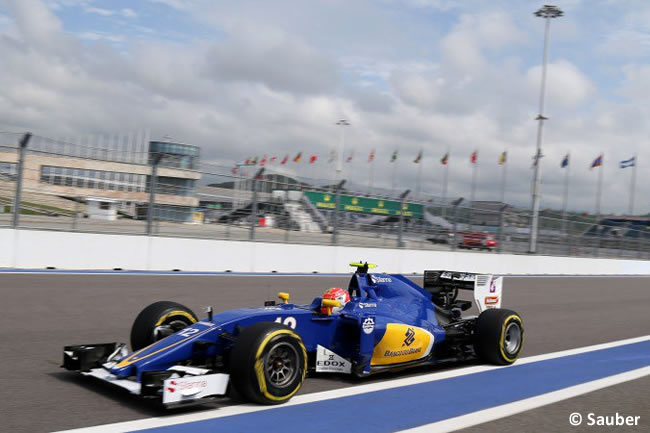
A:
(410, 337)
(368, 325)
(376, 280)
(491, 300)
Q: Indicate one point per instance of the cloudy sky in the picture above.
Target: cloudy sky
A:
(253, 77)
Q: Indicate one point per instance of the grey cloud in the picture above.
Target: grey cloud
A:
(280, 62)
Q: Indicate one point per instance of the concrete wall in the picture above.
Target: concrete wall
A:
(33, 249)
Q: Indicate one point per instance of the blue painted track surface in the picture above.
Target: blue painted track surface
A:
(424, 403)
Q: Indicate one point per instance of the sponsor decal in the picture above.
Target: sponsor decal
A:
(329, 362)
(402, 343)
(460, 276)
(390, 353)
(491, 300)
(194, 387)
(493, 286)
(187, 387)
(368, 325)
(410, 337)
(367, 305)
(376, 279)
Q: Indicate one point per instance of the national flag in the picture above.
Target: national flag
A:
(536, 158)
(273, 158)
(298, 157)
(371, 156)
(473, 157)
(253, 161)
(350, 157)
(445, 159)
(393, 157)
(628, 162)
(234, 170)
(312, 159)
(285, 159)
(263, 161)
(597, 162)
(418, 158)
(503, 158)
(565, 161)
(332, 156)
(248, 161)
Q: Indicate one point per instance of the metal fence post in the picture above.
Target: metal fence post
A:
(152, 192)
(19, 178)
(400, 230)
(335, 224)
(251, 233)
(569, 234)
(76, 213)
(455, 204)
(502, 210)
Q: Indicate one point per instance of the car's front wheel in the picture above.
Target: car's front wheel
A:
(268, 363)
(159, 320)
(498, 336)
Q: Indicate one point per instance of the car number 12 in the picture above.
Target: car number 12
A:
(288, 321)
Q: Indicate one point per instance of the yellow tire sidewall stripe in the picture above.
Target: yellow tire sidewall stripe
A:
(182, 313)
(503, 336)
(259, 364)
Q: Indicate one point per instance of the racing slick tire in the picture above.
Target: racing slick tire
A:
(158, 321)
(499, 336)
(268, 363)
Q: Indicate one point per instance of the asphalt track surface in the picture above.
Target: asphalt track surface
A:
(41, 313)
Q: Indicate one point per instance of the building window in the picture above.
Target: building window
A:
(104, 205)
(108, 180)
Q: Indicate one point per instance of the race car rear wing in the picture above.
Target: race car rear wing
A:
(443, 284)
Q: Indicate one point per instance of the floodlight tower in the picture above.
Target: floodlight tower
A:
(339, 163)
(548, 12)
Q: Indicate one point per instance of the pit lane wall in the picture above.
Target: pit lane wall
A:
(36, 249)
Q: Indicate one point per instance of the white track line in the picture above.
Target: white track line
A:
(493, 413)
(348, 391)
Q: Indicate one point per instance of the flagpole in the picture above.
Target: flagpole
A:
(599, 189)
(445, 180)
(565, 197)
(632, 188)
(473, 192)
(394, 175)
(372, 175)
(503, 180)
(418, 188)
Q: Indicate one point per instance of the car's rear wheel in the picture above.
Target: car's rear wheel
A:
(159, 320)
(268, 363)
(498, 336)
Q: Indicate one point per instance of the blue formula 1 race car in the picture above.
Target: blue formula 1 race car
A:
(387, 322)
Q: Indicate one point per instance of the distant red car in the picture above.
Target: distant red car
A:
(482, 241)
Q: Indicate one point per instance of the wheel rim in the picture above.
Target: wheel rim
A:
(512, 339)
(167, 329)
(281, 364)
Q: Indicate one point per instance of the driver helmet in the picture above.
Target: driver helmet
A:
(337, 294)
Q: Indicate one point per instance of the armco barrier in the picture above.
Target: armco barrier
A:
(35, 249)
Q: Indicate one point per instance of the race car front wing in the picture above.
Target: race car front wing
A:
(178, 385)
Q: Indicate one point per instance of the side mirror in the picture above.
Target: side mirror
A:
(329, 304)
(284, 297)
